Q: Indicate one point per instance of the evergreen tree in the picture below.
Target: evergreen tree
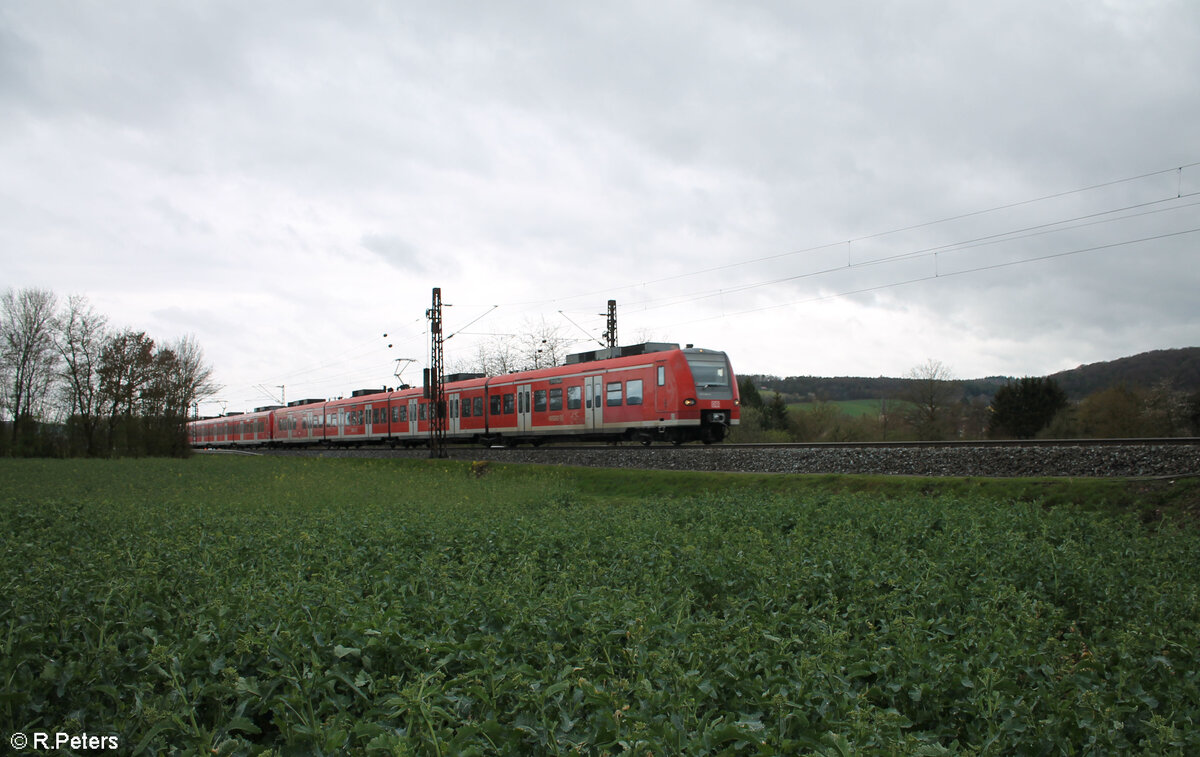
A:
(1021, 409)
(775, 413)
(748, 393)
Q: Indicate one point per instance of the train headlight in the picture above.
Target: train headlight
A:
(689, 402)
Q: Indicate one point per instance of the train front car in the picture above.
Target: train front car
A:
(713, 399)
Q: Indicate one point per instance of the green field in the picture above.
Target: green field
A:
(235, 605)
(856, 408)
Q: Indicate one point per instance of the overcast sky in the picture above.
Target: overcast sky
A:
(817, 188)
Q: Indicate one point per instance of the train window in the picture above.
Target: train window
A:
(478, 405)
(633, 392)
(495, 404)
(555, 399)
(423, 411)
(613, 398)
(509, 404)
(539, 400)
(662, 375)
(574, 397)
(466, 408)
(402, 414)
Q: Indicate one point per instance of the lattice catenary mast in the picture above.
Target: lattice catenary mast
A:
(610, 330)
(435, 383)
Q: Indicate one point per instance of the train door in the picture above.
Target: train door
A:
(412, 418)
(366, 411)
(452, 413)
(661, 404)
(524, 408)
(593, 402)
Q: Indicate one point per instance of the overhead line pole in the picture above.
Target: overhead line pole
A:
(435, 383)
(610, 331)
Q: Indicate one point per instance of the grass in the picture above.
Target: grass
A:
(263, 605)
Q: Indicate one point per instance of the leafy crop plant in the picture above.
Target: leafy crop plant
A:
(238, 606)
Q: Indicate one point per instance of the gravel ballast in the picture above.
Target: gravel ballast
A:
(1128, 460)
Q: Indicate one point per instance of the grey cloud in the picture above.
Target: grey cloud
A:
(396, 250)
(637, 149)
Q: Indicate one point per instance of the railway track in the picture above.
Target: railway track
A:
(1173, 457)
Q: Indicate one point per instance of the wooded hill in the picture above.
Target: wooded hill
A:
(1178, 368)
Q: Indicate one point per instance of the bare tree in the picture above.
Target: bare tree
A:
(935, 399)
(67, 367)
(497, 356)
(1165, 410)
(193, 380)
(159, 397)
(126, 369)
(27, 355)
(81, 336)
(541, 345)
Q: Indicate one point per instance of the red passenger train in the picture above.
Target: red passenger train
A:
(646, 392)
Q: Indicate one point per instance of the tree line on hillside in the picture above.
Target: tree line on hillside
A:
(1179, 367)
(72, 386)
(929, 405)
(846, 388)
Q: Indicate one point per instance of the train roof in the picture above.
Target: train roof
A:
(628, 350)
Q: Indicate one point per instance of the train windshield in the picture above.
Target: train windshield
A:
(710, 370)
(709, 374)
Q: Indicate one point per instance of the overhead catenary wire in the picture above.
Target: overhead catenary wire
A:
(1008, 236)
(589, 335)
(876, 235)
(936, 275)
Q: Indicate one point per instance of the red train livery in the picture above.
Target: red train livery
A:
(646, 392)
